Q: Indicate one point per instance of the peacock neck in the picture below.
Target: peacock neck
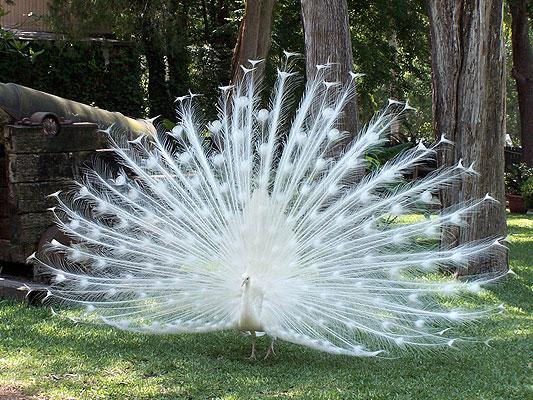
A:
(250, 309)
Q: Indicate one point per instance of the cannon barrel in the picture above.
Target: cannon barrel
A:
(19, 101)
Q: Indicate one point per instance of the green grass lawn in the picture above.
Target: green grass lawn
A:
(48, 357)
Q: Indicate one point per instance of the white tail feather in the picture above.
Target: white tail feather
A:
(269, 232)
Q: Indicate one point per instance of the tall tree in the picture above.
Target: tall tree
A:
(176, 47)
(154, 51)
(327, 39)
(254, 37)
(523, 73)
(469, 108)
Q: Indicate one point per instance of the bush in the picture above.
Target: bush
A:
(95, 73)
(527, 192)
(517, 175)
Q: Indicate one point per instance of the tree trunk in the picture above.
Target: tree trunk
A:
(469, 108)
(176, 42)
(327, 39)
(253, 42)
(158, 98)
(523, 74)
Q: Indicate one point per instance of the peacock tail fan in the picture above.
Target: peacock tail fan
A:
(270, 230)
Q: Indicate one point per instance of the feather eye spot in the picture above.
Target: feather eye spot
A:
(177, 131)
(449, 289)
(305, 189)
(215, 126)
(185, 157)
(328, 112)
(320, 164)
(386, 324)
(263, 115)
(453, 315)
(333, 190)
(455, 219)
(74, 224)
(300, 138)
(151, 162)
(431, 230)
(413, 297)
(333, 135)
(426, 197)
(120, 180)
(218, 160)
(133, 194)
(419, 323)
(400, 341)
(474, 287)
(83, 191)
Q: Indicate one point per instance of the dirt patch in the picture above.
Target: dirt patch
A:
(12, 393)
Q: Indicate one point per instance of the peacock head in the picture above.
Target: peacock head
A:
(245, 279)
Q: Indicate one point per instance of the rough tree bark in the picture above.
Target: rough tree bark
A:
(469, 108)
(176, 48)
(158, 98)
(253, 42)
(327, 39)
(523, 74)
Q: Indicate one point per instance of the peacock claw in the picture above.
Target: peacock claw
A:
(252, 356)
(270, 351)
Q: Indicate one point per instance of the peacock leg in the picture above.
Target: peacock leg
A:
(252, 356)
(270, 349)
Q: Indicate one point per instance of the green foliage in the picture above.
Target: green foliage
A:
(516, 176)
(187, 44)
(380, 156)
(79, 71)
(391, 46)
(527, 192)
(51, 357)
(10, 45)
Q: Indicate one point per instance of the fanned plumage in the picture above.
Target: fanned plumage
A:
(266, 227)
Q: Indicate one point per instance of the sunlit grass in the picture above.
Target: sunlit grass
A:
(53, 358)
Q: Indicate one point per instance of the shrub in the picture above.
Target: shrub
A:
(527, 192)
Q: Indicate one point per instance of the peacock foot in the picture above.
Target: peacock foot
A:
(252, 356)
(270, 351)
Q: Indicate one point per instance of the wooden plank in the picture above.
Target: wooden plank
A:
(5, 208)
(76, 137)
(27, 229)
(15, 253)
(45, 166)
(32, 197)
(5, 232)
